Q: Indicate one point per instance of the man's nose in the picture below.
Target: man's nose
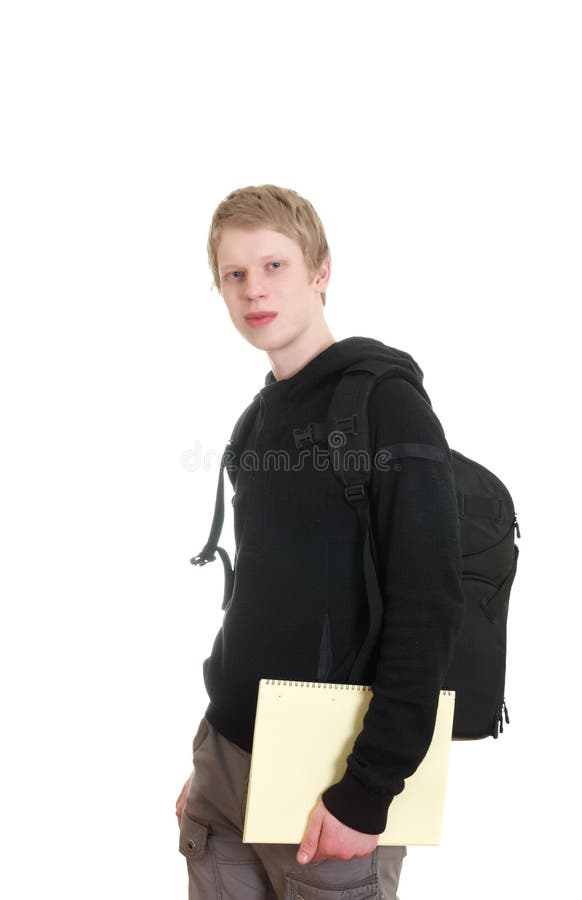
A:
(255, 286)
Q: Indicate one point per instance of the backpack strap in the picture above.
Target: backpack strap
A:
(349, 438)
(230, 459)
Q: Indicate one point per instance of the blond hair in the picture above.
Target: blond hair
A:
(277, 208)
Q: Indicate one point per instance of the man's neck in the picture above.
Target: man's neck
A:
(287, 361)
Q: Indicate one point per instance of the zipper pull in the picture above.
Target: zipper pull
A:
(506, 711)
(501, 720)
(516, 526)
(496, 727)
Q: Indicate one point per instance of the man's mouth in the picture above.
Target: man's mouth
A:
(256, 319)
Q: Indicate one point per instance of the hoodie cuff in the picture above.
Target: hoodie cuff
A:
(356, 806)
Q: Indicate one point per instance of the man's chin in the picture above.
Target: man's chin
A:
(260, 339)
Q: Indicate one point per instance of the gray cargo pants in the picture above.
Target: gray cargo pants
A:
(221, 867)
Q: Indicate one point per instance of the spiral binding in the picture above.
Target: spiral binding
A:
(317, 684)
(279, 682)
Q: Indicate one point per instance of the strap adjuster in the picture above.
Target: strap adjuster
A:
(201, 560)
(354, 492)
(347, 425)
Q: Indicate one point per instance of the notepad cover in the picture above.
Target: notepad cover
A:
(304, 732)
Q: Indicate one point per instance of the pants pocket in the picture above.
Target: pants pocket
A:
(299, 889)
(200, 861)
(193, 838)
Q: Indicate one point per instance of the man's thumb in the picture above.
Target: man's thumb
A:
(308, 845)
(306, 850)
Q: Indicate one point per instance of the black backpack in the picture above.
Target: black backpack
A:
(487, 523)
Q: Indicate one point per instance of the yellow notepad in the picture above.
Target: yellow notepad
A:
(304, 732)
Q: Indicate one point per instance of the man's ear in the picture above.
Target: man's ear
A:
(323, 276)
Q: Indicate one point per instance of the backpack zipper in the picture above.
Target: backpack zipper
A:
(516, 526)
(501, 714)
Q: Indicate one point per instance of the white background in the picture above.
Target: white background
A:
(440, 144)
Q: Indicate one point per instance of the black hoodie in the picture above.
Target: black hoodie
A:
(298, 609)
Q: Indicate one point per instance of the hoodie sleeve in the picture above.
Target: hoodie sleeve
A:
(414, 519)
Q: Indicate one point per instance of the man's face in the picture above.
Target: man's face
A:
(264, 271)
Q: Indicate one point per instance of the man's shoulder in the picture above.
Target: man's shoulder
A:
(398, 411)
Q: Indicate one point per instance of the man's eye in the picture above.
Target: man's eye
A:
(236, 273)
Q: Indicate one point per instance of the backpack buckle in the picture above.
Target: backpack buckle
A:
(354, 492)
(303, 436)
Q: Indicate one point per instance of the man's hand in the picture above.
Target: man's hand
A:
(327, 838)
(181, 801)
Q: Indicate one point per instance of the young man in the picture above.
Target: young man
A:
(298, 608)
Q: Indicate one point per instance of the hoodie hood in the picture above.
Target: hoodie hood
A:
(341, 354)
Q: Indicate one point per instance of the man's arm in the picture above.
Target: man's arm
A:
(414, 517)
